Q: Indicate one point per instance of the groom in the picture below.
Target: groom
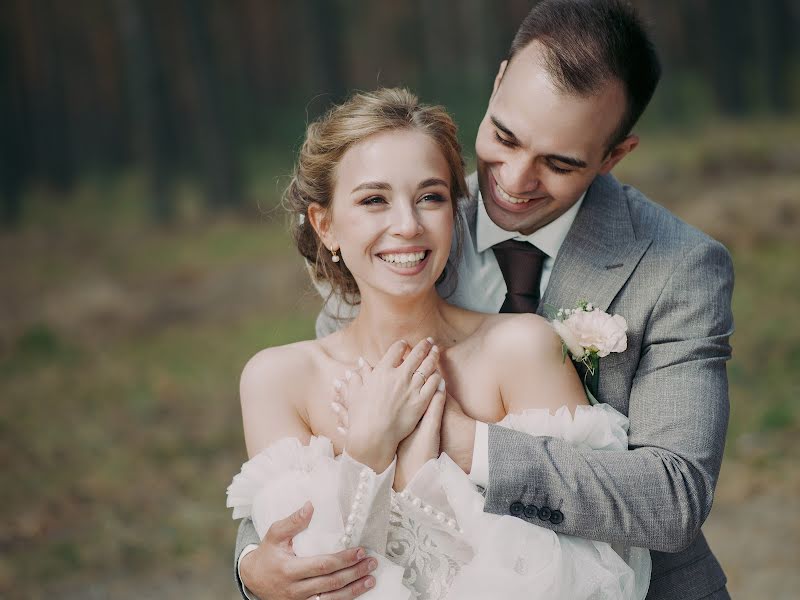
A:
(578, 76)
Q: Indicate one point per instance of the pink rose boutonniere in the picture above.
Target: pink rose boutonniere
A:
(588, 334)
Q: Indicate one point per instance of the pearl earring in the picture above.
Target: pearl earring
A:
(335, 257)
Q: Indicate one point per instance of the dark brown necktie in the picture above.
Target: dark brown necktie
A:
(521, 265)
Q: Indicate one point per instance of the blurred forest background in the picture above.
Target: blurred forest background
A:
(143, 253)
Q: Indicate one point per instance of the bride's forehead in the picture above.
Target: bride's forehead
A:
(392, 153)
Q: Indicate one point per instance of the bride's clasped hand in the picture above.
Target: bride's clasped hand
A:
(385, 404)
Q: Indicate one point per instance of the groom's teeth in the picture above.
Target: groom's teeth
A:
(407, 259)
(512, 199)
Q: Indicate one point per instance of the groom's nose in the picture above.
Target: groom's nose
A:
(519, 176)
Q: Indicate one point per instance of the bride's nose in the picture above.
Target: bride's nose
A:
(405, 221)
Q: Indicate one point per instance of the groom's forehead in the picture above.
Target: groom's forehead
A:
(529, 103)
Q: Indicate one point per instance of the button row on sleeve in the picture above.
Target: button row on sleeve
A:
(355, 507)
(530, 511)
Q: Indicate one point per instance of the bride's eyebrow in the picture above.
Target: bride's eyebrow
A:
(431, 182)
(372, 185)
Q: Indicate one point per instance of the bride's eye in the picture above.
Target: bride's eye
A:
(436, 198)
(372, 201)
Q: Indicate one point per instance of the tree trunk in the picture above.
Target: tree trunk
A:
(144, 87)
(14, 131)
(217, 153)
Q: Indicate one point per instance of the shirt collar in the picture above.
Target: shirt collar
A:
(548, 238)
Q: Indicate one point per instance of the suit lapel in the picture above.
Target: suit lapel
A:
(599, 253)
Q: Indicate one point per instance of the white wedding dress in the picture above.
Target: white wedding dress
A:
(433, 541)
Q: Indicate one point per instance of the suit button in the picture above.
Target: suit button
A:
(556, 517)
(517, 508)
(544, 513)
(531, 511)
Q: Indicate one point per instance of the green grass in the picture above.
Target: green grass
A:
(765, 389)
(128, 449)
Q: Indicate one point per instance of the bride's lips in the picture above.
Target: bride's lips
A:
(405, 261)
(516, 207)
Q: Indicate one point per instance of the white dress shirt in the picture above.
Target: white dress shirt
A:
(481, 287)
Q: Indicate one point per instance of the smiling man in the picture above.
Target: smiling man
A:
(540, 146)
(546, 224)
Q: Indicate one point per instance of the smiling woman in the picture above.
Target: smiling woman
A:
(392, 213)
(391, 120)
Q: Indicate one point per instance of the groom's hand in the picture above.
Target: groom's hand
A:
(274, 572)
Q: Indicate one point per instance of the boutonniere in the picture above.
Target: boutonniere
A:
(588, 334)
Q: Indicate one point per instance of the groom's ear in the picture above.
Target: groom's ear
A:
(619, 152)
(499, 77)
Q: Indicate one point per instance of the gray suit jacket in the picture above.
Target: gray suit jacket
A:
(673, 285)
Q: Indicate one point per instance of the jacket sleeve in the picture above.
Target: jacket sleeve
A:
(658, 493)
(245, 537)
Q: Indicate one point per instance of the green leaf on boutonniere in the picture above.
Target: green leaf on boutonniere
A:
(550, 312)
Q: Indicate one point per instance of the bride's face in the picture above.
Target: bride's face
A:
(392, 212)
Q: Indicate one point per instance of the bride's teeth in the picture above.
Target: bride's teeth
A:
(513, 200)
(406, 259)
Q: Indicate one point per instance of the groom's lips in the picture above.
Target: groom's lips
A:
(510, 206)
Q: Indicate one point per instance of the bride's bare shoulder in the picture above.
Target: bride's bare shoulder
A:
(281, 370)
(530, 367)
(521, 335)
(273, 390)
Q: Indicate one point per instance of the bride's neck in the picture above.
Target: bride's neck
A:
(382, 321)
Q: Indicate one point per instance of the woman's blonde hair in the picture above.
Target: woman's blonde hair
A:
(330, 137)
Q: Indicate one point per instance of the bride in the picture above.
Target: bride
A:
(374, 206)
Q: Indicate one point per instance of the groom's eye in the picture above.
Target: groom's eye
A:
(503, 140)
(557, 169)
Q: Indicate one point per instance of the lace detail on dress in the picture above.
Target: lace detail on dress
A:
(429, 555)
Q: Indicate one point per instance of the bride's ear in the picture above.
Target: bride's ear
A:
(320, 220)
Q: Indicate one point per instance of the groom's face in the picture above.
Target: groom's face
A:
(539, 148)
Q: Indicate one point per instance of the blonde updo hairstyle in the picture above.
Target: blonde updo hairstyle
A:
(327, 141)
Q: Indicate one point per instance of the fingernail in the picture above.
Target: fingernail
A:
(305, 509)
(337, 384)
(341, 430)
(430, 339)
(441, 386)
(360, 554)
(348, 374)
(435, 349)
(337, 408)
(369, 582)
(360, 363)
(372, 565)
